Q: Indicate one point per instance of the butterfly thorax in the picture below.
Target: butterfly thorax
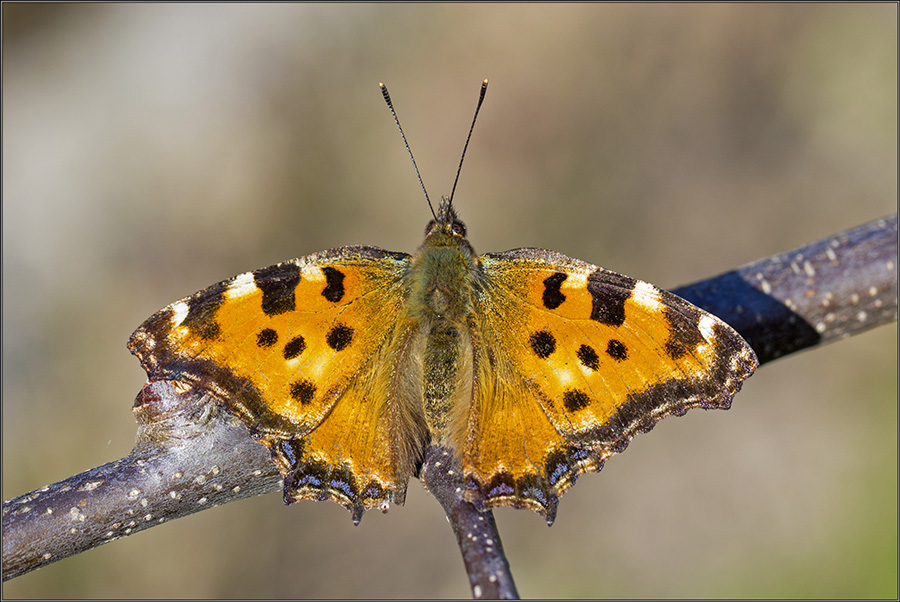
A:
(442, 271)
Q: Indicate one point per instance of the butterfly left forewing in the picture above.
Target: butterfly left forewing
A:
(593, 356)
(300, 351)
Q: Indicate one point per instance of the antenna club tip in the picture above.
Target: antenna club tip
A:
(485, 82)
(381, 84)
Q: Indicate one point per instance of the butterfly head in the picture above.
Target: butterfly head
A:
(445, 226)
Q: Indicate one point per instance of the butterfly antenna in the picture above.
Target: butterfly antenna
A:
(387, 99)
(484, 85)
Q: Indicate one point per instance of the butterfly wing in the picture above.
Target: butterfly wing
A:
(574, 360)
(301, 352)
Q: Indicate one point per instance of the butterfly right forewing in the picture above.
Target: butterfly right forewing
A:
(586, 358)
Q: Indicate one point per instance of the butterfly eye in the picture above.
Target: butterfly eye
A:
(459, 228)
(430, 227)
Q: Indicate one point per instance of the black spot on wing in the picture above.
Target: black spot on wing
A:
(543, 344)
(278, 283)
(303, 391)
(575, 400)
(553, 296)
(334, 288)
(588, 357)
(609, 291)
(294, 347)
(339, 337)
(617, 350)
(266, 337)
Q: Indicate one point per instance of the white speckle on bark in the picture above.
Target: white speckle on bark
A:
(809, 269)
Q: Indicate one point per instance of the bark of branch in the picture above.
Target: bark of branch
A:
(191, 455)
(475, 530)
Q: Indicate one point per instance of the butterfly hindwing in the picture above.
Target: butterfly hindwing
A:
(582, 359)
(298, 351)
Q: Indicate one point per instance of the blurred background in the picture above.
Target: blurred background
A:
(152, 150)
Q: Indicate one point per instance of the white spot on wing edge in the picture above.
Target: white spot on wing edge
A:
(179, 313)
(575, 280)
(241, 285)
(312, 273)
(707, 327)
(646, 294)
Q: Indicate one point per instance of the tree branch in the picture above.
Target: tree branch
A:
(191, 455)
(475, 530)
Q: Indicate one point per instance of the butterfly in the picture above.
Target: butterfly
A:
(530, 366)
